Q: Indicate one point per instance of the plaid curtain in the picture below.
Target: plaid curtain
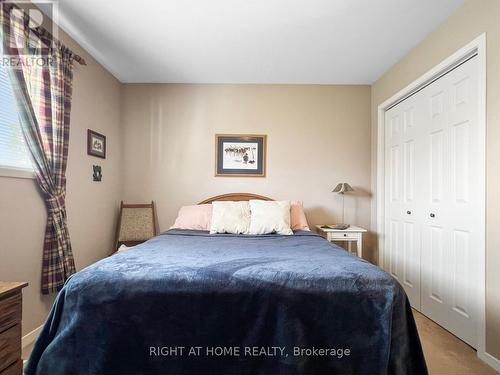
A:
(42, 75)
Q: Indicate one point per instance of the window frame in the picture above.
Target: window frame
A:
(14, 171)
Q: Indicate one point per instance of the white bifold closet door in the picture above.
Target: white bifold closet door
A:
(404, 201)
(432, 194)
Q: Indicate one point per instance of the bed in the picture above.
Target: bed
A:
(187, 302)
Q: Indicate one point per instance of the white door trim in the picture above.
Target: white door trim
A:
(478, 45)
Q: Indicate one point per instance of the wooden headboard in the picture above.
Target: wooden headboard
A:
(236, 197)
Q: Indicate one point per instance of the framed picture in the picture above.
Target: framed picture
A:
(97, 175)
(96, 144)
(240, 155)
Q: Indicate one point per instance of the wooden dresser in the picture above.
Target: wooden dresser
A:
(11, 307)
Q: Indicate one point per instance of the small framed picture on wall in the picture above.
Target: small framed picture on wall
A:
(240, 155)
(96, 144)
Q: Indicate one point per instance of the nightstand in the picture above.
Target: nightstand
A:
(349, 235)
(10, 328)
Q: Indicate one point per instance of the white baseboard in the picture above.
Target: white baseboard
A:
(490, 360)
(30, 338)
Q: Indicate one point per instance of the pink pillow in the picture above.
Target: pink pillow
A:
(194, 217)
(298, 219)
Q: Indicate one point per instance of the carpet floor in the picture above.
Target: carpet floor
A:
(445, 354)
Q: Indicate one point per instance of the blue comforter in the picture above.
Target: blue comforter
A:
(187, 302)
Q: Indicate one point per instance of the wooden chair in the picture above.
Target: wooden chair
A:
(136, 224)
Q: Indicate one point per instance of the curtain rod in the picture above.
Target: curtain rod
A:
(48, 35)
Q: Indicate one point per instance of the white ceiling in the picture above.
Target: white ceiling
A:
(251, 41)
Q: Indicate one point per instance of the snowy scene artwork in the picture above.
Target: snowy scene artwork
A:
(240, 155)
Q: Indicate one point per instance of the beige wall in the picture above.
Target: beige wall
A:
(317, 136)
(91, 206)
(469, 21)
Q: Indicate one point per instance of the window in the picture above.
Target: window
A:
(14, 155)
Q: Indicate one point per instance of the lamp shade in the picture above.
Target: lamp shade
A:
(342, 188)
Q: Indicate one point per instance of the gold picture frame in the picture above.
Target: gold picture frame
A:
(240, 155)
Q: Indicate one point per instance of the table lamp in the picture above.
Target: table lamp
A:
(342, 188)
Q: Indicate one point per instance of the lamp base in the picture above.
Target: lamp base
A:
(340, 226)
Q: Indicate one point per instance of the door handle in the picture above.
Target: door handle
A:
(432, 215)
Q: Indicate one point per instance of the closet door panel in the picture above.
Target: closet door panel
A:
(462, 282)
(402, 258)
(436, 165)
(438, 271)
(451, 225)
(431, 219)
(411, 257)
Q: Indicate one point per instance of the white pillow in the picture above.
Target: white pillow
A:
(269, 217)
(230, 217)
